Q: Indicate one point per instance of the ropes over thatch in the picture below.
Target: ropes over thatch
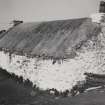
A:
(54, 39)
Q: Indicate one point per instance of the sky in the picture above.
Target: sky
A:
(45, 10)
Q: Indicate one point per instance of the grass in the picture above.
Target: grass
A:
(14, 92)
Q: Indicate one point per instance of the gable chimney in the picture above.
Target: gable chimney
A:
(102, 7)
(16, 22)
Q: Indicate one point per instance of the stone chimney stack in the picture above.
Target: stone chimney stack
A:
(16, 22)
(99, 17)
(102, 7)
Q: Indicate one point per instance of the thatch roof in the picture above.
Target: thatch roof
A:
(48, 39)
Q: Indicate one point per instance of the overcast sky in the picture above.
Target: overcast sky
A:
(44, 10)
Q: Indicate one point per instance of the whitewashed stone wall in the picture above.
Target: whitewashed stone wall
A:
(46, 75)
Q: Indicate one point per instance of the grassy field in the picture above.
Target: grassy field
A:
(15, 92)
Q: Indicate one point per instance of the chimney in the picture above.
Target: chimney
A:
(99, 17)
(16, 22)
(2, 31)
(102, 7)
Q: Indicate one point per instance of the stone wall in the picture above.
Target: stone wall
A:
(62, 75)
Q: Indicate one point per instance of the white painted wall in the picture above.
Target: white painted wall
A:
(46, 75)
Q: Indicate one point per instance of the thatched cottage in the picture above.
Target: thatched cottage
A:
(55, 54)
